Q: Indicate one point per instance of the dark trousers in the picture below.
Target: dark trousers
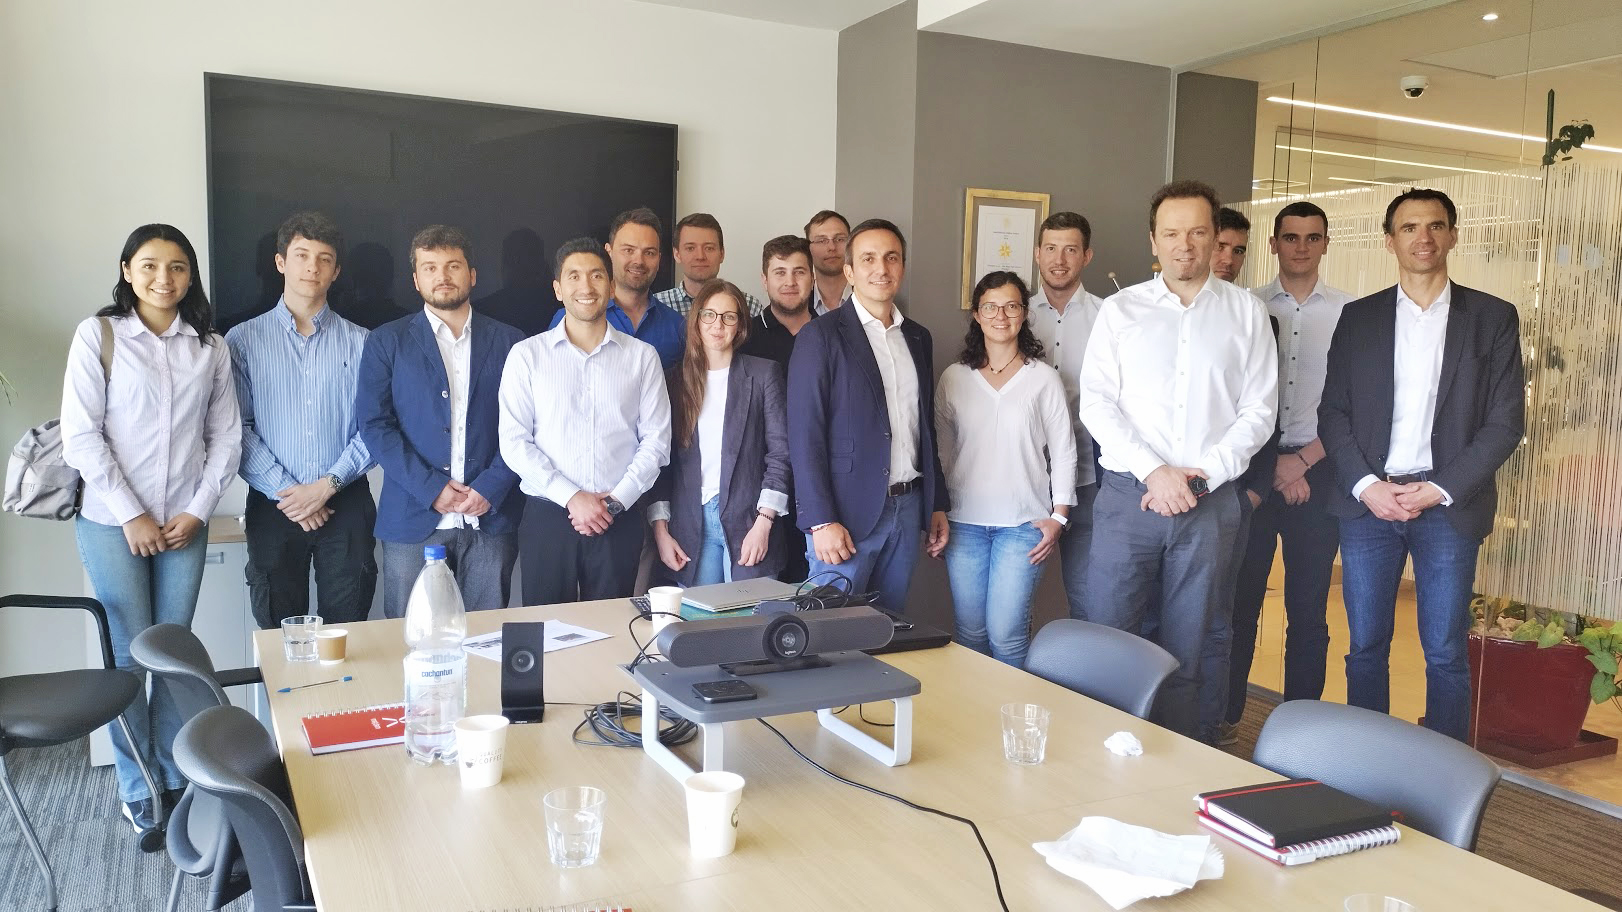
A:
(561, 565)
(280, 554)
(1219, 637)
(1136, 553)
(482, 563)
(1310, 538)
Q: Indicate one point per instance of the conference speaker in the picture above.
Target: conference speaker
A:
(523, 647)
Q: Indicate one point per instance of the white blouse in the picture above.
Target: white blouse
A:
(992, 442)
(163, 435)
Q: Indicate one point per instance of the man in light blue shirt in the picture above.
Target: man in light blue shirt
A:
(302, 454)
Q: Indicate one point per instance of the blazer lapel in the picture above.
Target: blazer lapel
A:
(740, 389)
(424, 334)
(1382, 368)
(861, 350)
(484, 344)
(1459, 318)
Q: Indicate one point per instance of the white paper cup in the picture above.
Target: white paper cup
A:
(481, 749)
(666, 604)
(712, 813)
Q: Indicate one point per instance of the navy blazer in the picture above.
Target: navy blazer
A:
(1480, 402)
(754, 457)
(402, 402)
(839, 427)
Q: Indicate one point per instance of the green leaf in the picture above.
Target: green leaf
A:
(1527, 632)
(1602, 688)
(1552, 634)
(1605, 662)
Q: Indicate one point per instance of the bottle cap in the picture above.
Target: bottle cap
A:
(433, 552)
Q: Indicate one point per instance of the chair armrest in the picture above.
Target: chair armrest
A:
(70, 601)
(235, 677)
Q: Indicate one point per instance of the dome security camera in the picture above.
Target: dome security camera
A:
(1415, 86)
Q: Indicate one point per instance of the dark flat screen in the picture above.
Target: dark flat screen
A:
(519, 181)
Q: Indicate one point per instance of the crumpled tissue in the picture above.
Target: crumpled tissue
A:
(1123, 863)
(1124, 744)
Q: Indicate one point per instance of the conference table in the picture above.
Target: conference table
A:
(382, 832)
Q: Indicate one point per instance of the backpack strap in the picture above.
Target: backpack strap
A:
(106, 349)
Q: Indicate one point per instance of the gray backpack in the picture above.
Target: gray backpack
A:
(39, 484)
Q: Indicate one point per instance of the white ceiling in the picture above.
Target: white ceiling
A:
(825, 14)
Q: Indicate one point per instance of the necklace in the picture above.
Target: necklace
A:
(998, 370)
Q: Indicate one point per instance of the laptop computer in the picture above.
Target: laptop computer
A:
(722, 597)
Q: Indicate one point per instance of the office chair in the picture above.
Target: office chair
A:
(43, 710)
(1439, 785)
(198, 839)
(1109, 665)
(227, 754)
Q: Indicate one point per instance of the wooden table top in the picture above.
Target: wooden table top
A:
(384, 833)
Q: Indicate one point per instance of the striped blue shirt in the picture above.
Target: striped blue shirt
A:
(297, 395)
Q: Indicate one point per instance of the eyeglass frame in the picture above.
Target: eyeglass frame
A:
(989, 309)
(706, 316)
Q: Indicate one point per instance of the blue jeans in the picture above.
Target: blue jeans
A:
(992, 580)
(139, 592)
(1372, 552)
(885, 557)
(714, 565)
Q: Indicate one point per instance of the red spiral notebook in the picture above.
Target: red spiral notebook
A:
(353, 729)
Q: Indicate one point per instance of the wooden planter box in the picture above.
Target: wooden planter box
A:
(1531, 703)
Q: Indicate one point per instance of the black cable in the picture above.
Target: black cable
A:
(608, 722)
(995, 879)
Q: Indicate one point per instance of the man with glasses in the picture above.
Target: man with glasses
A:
(828, 234)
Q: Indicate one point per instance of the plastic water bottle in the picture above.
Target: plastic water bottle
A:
(436, 667)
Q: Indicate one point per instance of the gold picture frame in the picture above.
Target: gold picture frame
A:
(1010, 218)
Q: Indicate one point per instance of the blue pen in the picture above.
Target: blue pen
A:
(317, 684)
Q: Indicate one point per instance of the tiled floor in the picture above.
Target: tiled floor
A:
(1599, 778)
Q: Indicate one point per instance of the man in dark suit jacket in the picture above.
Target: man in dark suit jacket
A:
(861, 405)
(1423, 401)
(426, 404)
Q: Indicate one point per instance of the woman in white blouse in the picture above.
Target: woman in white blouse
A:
(156, 438)
(996, 410)
(716, 503)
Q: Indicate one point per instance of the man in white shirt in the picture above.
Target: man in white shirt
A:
(1296, 509)
(1179, 387)
(1061, 316)
(585, 422)
(1424, 398)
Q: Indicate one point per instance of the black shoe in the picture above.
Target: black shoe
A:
(141, 815)
(171, 800)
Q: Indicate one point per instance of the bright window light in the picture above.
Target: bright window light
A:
(1490, 17)
(1420, 121)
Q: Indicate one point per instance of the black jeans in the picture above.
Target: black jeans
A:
(280, 554)
(561, 565)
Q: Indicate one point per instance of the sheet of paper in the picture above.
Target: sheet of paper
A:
(558, 636)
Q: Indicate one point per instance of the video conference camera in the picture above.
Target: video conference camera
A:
(774, 641)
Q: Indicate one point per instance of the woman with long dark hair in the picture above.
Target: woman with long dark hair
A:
(996, 410)
(716, 503)
(156, 438)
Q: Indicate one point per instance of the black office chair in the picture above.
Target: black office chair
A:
(1109, 665)
(227, 754)
(43, 710)
(199, 840)
(1440, 786)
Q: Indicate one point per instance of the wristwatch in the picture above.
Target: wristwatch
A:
(1197, 486)
(336, 484)
(615, 508)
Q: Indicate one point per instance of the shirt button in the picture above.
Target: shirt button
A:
(444, 394)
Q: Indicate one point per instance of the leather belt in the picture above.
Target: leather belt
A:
(1408, 479)
(1287, 450)
(903, 487)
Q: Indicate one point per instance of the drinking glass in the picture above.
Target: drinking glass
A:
(298, 637)
(1024, 732)
(1378, 902)
(574, 825)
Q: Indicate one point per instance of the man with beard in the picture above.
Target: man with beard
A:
(585, 422)
(828, 234)
(1178, 418)
(426, 402)
(633, 247)
(700, 248)
(785, 273)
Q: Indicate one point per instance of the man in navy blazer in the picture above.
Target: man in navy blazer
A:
(1424, 399)
(426, 403)
(861, 406)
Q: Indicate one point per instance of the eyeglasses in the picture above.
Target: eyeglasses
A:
(823, 240)
(730, 318)
(991, 309)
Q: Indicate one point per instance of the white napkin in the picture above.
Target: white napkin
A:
(1125, 863)
(1124, 744)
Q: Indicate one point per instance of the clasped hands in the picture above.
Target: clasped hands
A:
(1168, 492)
(457, 497)
(1400, 502)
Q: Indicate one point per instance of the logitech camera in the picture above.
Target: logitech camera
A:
(1415, 86)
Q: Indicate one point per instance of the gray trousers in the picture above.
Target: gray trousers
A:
(1137, 553)
(1074, 547)
(481, 561)
(1214, 662)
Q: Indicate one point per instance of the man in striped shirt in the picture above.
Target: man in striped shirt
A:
(302, 455)
(700, 249)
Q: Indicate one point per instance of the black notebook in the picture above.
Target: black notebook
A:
(1292, 812)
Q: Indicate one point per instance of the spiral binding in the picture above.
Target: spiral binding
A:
(1340, 845)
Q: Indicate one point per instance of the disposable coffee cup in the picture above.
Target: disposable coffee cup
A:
(712, 813)
(331, 645)
(481, 749)
(666, 604)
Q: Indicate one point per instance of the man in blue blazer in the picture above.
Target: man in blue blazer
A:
(426, 403)
(861, 409)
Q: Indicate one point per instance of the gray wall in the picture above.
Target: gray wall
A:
(1216, 133)
(878, 81)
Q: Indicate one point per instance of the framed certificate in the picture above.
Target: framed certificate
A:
(999, 232)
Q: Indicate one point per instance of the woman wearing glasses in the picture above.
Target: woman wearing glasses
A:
(996, 410)
(717, 501)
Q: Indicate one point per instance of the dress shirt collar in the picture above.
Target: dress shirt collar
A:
(866, 316)
(1440, 305)
(130, 325)
(1040, 299)
(1162, 291)
(1276, 287)
(439, 327)
(558, 336)
(284, 316)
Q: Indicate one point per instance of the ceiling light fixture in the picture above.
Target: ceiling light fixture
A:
(1422, 122)
(1490, 17)
(1397, 161)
